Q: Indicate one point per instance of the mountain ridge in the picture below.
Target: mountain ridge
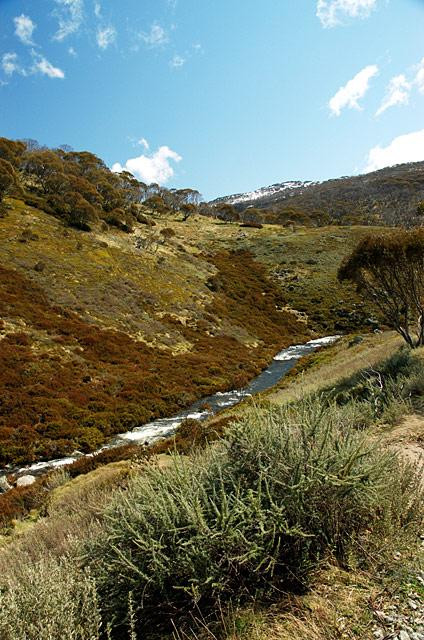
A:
(389, 196)
(278, 187)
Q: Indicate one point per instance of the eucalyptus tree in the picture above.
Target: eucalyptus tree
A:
(389, 271)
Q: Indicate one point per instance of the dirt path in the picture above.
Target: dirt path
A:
(408, 438)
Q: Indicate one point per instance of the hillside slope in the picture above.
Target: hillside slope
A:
(348, 568)
(390, 196)
(104, 331)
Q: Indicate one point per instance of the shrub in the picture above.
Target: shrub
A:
(115, 454)
(27, 236)
(39, 202)
(119, 219)
(88, 438)
(49, 600)
(143, 219)
(249, 517)
(167, 232)
(192, 434)
(19, 501)
(388, 390)
(7, 177)
(82, 214)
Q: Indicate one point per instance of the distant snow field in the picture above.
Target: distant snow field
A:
(265, 192)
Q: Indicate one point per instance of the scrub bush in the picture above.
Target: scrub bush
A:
(49, 600)
(249, 517)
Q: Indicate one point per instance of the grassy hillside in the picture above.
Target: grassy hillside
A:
(304, 262)
(101, 339)
(103, 331)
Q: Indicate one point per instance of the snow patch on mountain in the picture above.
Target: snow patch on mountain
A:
(265, 192)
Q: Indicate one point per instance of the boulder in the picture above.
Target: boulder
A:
(4, 485)
(25, 481)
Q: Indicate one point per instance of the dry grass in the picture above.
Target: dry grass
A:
(335, 363)
(115, 286)
(338, 607)
(406, 438)
(305, 262)
(72, 512)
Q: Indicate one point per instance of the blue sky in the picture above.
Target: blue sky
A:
(219, 95)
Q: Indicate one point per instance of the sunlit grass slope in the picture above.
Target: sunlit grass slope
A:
(102, 332)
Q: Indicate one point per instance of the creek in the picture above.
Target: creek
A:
(200, 410)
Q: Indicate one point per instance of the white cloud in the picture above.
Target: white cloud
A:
(156, 37)
(72, 52)
(43, 66)
(97, 9)
(24, 28)
(155, 167)
(397, 93)
(349, 95)
(177, 62)
(10, 64)
(419, 76)
(332, 12)
(406, 148)
(400, 87)
(105, 37)
(70, 15)
(143, 143)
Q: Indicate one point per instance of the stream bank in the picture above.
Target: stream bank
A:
(202, 409)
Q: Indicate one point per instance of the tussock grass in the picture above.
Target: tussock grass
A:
(337, 608)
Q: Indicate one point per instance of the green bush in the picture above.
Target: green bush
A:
(249, 517)
(49, 600)
(388, 390)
